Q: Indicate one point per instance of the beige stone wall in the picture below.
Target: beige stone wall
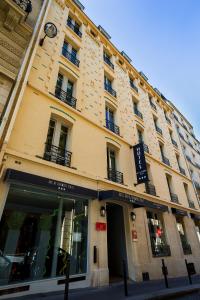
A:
(5, 88)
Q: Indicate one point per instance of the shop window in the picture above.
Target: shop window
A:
(39, 229)
(157, 235)
(181, 229)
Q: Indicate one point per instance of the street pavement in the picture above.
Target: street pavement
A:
(136, 291)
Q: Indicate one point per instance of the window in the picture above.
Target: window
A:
(136, 109)
(107, 59)
(173, 196)
(110, 121)
(157, 235)
(113, 174)
(158, 129)
(140, 136)
(181, 229)
(74, 26)
(108, 86)
(70, 53)
(57, 144)
(190, 202)
(65, 90)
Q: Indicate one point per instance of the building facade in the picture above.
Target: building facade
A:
(68, 181)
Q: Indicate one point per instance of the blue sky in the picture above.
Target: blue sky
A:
(163, 39)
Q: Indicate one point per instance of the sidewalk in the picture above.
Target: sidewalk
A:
(137, 291)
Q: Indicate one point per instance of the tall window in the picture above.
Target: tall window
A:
(111, 159)
(140, 136)
(107, 82)
(64, 90)
(157, 235)
(109, 114)
(183, 237)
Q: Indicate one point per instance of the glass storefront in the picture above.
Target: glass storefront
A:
(39, 229)
(181, 229)
(157, 235)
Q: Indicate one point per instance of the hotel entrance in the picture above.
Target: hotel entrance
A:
(116, 241)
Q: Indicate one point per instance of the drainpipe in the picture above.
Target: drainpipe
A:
(21, 81)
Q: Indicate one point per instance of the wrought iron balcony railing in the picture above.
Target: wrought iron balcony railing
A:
(70, 57)
(153, 105)
(182, 171)
(107, 60)
(111, 126)
(158, 129)
(191, 204)
(175, 117)
(186, 248)
(110, 90)
(174, 143)
(165, 160)
(138, 113)
(26, 5)
(181, 136)
(161, 250)
(189, 143)
(146, 148)
(150, 188)
(115, 176)
(58, 155)
(133, 86)
(65, 97)
(75, 28)
(168, 120)
(174, 198)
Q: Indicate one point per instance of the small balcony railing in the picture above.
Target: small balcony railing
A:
(174, 143)
(115, 176)
(146, 148)
(65, 97)
(26, 5)
(175, 117)
(112, 127)
(108, 62)
(182, 171)
(110, 90)
(153, 105)
(168, 120)
(166, 160)
(174, 198)
(189, 143)
(161, 250)
(159, 130)
(184, 126)
(133, 86)
(70, 57)
(58, 155)
(150, 188)
(181, 136)
(75, 28)
(186, 248)
(138, 113)
(191, 204)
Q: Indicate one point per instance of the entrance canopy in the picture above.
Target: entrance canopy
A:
(136, 201)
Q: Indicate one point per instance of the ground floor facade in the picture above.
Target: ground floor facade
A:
(49, 216)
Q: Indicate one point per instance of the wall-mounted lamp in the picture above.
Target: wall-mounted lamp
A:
(133, 216)
(50, 31)
(102, 211)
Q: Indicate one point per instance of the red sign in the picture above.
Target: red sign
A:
(100, 226)
(134, 235)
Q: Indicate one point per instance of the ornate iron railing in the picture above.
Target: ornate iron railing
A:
(174, 198)
(70, 57)
(111, 126)
(75, 28)
(161, 250)
(65, 97)
(138, 113)
(107, 60)
(26, 5)
(115, 176)
(150, 188)
(110, 90)
(58, 155)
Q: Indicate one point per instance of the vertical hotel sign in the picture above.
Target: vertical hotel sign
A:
(140, 163)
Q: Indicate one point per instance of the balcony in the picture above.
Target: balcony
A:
(181, 136)
(174, 198)
(175, 117)
(174, 143)
(133, 86)
(58, 155)
(70, 57)
(75, 28)
(191, 204)
(184, 126)
(165, 160)
(112, 127)
(186, 248)
(168, 120)
(115, 176)
(189, 143)
(138, 113)
(146, 148)
(182, 171)
(108, 62)
(24, 4)
(153, 105)
(150, 188)
(65, 97)
(161, 250)
(110, 90)
(158, 129)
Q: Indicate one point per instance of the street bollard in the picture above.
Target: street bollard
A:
(125, 278)
(66, 293)
(165, 273)
(188, 271)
